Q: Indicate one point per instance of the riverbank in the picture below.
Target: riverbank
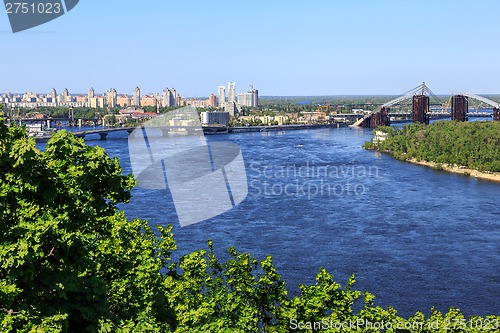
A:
(493, 176)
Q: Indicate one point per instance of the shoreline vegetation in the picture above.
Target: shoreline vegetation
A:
(493, 176)
(463, 148)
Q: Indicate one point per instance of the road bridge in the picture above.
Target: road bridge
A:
(165, 130)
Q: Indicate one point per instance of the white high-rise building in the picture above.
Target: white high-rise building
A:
(90, 97)
(232, 109)
(112, 98)
(231, 87)
(90, 94)
(66, 97)
(250, 98)
(166, 97)
(242, 99)
(255, 97)
(52, 98)
(222, 96)
(174, 98)
(169, 98)
(136, 101)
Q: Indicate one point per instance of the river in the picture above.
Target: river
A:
(414, 237)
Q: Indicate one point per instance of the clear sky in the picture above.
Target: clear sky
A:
(315, 47)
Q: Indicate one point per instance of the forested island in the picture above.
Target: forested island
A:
(467, 148)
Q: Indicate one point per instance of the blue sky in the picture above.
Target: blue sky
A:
(288, 47)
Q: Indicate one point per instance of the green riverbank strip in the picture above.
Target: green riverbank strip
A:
(467, 148)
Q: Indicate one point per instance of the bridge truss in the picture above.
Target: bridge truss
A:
(421, 90)
(483, 99)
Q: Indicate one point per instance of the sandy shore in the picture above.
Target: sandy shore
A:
(494, 176)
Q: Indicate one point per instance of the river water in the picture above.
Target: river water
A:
(413, 236)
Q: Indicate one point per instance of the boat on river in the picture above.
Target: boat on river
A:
(39, 132)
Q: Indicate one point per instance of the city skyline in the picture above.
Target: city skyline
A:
(169, 97)
(129, 92)
(288, 48)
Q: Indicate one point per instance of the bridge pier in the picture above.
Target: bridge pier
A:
(381, 118)
(377, 119)
(103, 136)
(459, 108)
(420, 109)
(496, 114)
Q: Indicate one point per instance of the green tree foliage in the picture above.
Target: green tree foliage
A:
(55, 208)
(473, 145)
(71, 262)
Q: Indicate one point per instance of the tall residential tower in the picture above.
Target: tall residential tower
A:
(250, 98)
(136, 101)
(112, 98)
(222, 96)
(169, 96)
(231, 87)
(91, 94)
